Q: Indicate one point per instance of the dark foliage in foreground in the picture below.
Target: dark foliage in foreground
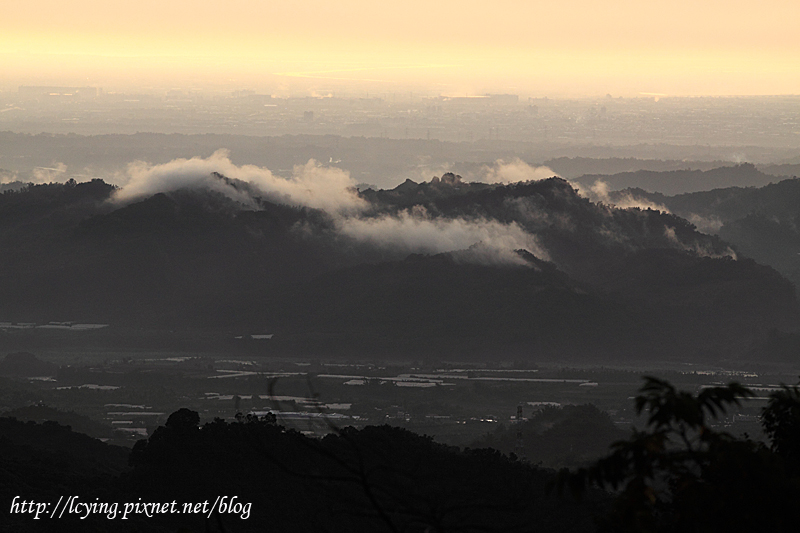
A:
(679, 474)
(373, 479)
(379, 478)
(568, 436)
(43, 462)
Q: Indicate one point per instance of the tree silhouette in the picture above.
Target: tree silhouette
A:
(680, 474)
(378, 478)
(781, 421)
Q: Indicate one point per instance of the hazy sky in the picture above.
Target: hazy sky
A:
(460, 47)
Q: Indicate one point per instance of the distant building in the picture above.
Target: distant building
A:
(39, 91)
(503, 99)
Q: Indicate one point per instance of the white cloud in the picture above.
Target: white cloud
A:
(311, 185)
(8, 177)
(514, 171)
(710, 225)
(57, 173)
(697, 248)
(599, 193)
(416, 232)
(332, 190)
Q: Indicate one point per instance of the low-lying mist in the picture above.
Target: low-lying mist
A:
(311, 185)
(401, 231)
(333, 191)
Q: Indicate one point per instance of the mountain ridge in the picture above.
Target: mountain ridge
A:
(548, 271)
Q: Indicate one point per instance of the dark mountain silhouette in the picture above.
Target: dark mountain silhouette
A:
(411, 193)
(731, 203)
(165, 259)
(439, 305)
(593, 280)
(575, 167)
(761, 222)
(784, 169)
(680, 181)
(680, 284)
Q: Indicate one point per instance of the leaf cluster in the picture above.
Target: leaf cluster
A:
(682, 474)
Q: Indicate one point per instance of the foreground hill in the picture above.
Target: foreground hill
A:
(378, 478)
(443, 267)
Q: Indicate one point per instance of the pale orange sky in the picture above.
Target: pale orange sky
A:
(590, 47)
